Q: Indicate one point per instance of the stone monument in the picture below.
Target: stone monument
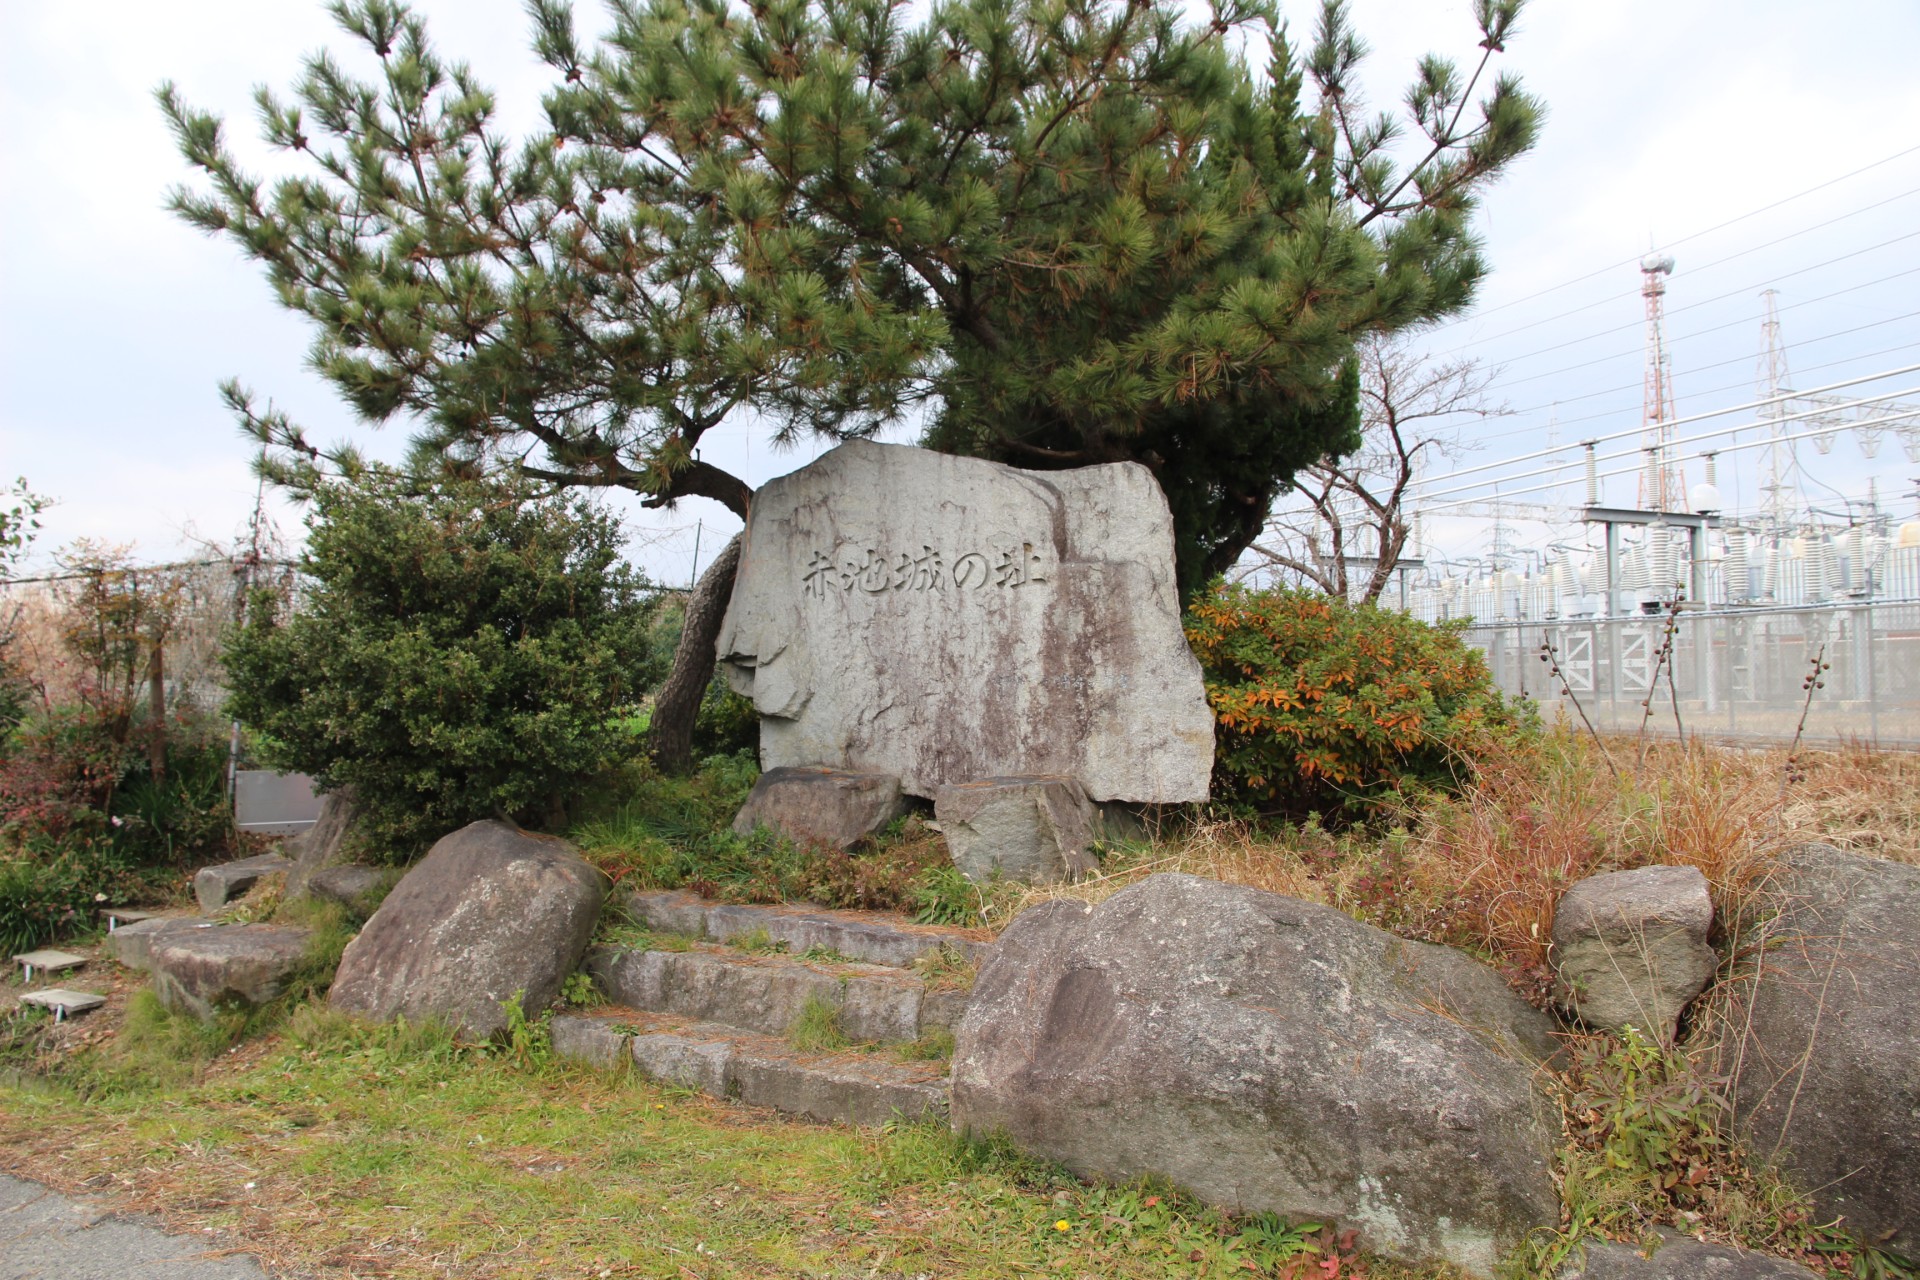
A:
(947, 620)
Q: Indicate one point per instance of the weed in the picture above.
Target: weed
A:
(529, 1041)
(818, 954)
(756, 942)
(578, 991)
(935, 1044)
(627, 936)
(945, 968)
(817, 1028)
(945, 896)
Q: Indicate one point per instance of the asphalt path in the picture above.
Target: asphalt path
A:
(46, 1236)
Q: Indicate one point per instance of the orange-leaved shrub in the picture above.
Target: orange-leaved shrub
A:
(1331, 707)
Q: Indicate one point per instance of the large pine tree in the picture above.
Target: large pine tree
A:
(1075, 230)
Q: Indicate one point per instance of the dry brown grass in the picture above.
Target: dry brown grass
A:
(1485, 870)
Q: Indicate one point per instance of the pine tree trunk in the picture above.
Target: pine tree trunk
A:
(670, 735)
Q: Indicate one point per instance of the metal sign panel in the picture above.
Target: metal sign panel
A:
(274, 804)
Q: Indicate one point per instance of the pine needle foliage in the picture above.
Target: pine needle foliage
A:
(1057, 232)
(1126, 240)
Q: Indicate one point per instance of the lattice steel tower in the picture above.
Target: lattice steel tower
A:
(1661, 486)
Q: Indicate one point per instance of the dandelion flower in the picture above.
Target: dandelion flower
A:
(1063, 1225)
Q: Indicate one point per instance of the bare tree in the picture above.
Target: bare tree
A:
(1342, 526)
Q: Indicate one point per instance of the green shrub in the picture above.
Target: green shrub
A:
(463, 651)
(1323, 706)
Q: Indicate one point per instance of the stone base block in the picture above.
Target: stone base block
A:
(1036, 830)
(827, 806)
(198, 971)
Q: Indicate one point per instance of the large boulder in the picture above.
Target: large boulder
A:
(944, 618)
(322, 845)
(1630, 948)
(1032, 830)
(821, 806)
(490, 911)
(1827, 1040)
(1268, 1054)
(201, 971)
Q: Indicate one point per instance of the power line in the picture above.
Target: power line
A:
(1722, 297)
(1698, 417)
(1634, 470)
(1698, 333)
(1705, 266)
(1625, 407)
(1627, 262)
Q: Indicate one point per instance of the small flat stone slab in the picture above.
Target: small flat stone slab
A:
(47, 961)
(220, 884)
(117, 916)
(63, 1001)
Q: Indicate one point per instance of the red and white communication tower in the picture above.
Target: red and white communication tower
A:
(1661, 485)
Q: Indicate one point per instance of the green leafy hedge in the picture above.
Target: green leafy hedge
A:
(1325, 706)
(462, 651)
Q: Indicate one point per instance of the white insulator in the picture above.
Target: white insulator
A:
(1851, 572)
(1822, 567)
(1739, 584)
(1770, 573)
(1633, 570)
(1661, 568)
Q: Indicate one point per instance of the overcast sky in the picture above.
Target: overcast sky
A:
(1668, 118)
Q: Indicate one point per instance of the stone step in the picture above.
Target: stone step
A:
(221, 883)
(768, 993)
(132, 944)
(724, 1062)
(876, 937)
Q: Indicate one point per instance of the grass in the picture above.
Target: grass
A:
(401, 1152)
(398, 1151)
(817, 1028)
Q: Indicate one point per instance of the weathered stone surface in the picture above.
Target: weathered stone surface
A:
(1033, 830)
(132, 944)
(322, 845)
(943, 619)
(830, 806)
(868, 936)
(764, 993)
(590, 1040)
(1829, 1052)
(1269, 1054)
(358, 889)
(489, 911)
(724, 1062)
(1679, 1258)
(223, 882)
(199, 971)
(1630, 948)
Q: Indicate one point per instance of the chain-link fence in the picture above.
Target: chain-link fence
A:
(1737, 673)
